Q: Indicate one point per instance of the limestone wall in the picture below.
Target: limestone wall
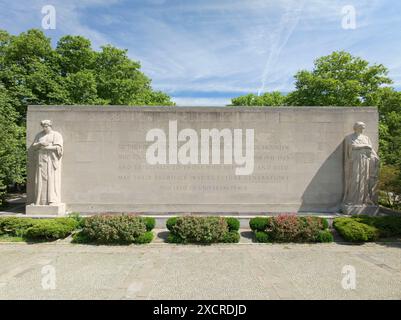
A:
(298, 158)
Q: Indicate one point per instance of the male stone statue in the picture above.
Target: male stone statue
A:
(48, 149)
(49, 145)
(361, 168)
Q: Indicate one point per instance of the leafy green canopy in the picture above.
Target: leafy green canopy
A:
(12, 145)
(32, 72)
(338, 79)
(341, 79)
(274, 98)
(73, 73)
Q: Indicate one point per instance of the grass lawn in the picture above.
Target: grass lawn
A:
(8, 238)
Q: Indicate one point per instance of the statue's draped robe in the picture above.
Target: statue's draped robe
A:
(48, 170)
(360, 171)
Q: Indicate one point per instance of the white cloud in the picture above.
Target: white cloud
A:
(201, 102)
(220, 45)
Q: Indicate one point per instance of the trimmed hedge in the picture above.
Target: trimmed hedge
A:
(352, 230)
(231, 237)
(150, 223)
(38, 229)
(262, 236)
(116, 229)
(290, 228)
(388, 226)
(51, 229)
(259, 223)
(325, 236)
(204, 230)
(233, 224)
(170, 223)
(367, 228)
(14, 226)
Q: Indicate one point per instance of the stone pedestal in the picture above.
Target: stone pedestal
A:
(361, 209)
(55, 210)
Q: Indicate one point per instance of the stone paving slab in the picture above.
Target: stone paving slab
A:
(224, 271)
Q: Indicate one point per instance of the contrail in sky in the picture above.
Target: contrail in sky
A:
(288, 22)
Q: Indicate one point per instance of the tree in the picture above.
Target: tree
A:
(274, 98)
(72, 73)
(389, 105)
(119, 80)
(390, 186)
(27, 71)
(12, 145)
(32, 72)
(339, 79)
(74, 54)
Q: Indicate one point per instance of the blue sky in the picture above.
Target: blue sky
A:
(203, 52)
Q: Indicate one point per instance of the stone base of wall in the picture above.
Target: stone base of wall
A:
(56, 210)
(358, 210)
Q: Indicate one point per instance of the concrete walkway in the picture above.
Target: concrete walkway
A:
(163, 271)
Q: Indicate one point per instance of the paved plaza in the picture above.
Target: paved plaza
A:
(247, 270)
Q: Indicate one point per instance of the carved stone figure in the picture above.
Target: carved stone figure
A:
(49, 147)
(361, 169)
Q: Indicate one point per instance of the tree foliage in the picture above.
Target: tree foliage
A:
(274, 98)
(390, 186)
(32, 72)
(339, 79)
(12, 145)
(389, 104)
(72, 73)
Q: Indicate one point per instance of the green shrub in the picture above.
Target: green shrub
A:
(325, 223)
(354, 231)
(259, 223)
(51, 229)
(150, 223)
(389, 226)
(322, 223)
(309, 229)
(80, 237)
(200, 229)
(78, 218)
(120, 229)
(325, 236)
(233, 224)
(147, 237)
(262, 236)
(206, 230)
(341, 221)
(38, 229)
(173, 238)
(288, 228)
(171, 222)
(71, 223)
(231, 237)
(15, 226)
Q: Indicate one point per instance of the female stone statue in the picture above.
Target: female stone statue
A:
(49, 147)
(360, 169)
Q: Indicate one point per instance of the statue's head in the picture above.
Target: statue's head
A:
(359, 127)
(46, 125)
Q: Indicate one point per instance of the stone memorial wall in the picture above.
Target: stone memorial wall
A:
(200, 159)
